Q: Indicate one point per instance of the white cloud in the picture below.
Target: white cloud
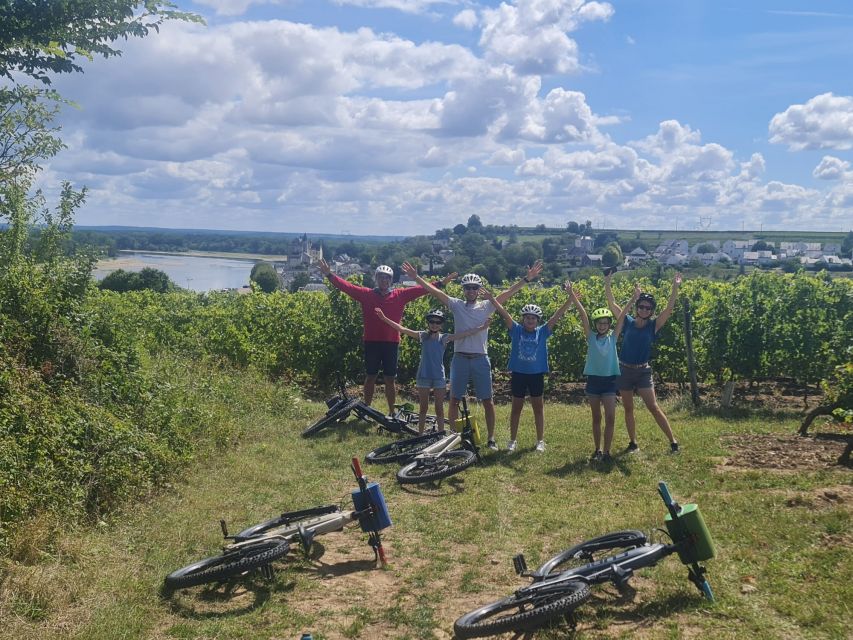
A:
(531, 35)
(406, 6)
(831, 168)
(466, 19)
(824, 122)
(236, 7)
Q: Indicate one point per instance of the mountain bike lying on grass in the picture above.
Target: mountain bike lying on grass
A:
(431, 456)
(257, 546)
(563, 583)
(341, 405)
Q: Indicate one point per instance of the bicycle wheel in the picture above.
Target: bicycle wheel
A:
(403, 450)
(336, 413)
(521, 612)
(227, 565)
(582, 553)
(437, 467)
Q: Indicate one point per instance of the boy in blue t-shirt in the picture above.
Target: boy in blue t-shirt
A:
(431, 370)
(601, 370)
(528, 364)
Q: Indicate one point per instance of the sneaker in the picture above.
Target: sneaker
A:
(632, 447)
(606, 459)
(510, 446)
(673, 447)
(491, 444)
(595, 457)
(540, 446)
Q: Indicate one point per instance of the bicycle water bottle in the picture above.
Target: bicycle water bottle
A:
(307, 636)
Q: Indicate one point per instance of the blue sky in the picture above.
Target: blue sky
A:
(405, 116)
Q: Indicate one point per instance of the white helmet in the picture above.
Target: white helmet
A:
(384, 269)
(472, 278)
(531, 310)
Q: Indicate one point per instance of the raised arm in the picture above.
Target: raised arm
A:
(532, 273)
(434, 291)
(470, 332)
(611, 301)
(559, 313)
(620, 318)
(575, 300)
(397, 327)
(670, 305)
(488, 295)
(352, 290)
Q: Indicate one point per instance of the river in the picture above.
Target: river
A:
(198, 273)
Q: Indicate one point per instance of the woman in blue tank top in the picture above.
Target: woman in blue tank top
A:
(638, 334)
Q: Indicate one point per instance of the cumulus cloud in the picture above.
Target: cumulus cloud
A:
(532, 35)
(466, 19)
(236, 7)
(282, 126)
(831, 168)
(406, 6)
(824, 122)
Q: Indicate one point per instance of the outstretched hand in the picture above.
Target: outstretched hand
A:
(324, 267)
(570, 289)
(534, 271)
(379, 312)
(487, 294)
(450, 277)
(410, 270)
(677, 280)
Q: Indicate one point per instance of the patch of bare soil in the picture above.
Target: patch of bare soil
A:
(783, 452)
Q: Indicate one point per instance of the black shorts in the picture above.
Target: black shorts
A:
(522, 383)
(381, 355)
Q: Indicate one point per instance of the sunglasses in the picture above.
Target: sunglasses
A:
(435, 321)
(644, 307)
(471, 287)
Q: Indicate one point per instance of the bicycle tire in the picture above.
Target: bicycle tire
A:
(625, 539)
(227, 565)
(284, 519)
(403, 450)
(436, 467)
(337, 413)
(532, 611)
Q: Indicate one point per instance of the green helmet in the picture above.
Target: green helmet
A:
(601, 313)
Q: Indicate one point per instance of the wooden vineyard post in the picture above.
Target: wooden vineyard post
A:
(691, 359)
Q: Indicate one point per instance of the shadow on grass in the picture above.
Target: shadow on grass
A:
(437, 488)
(584, 465)
(224, 599)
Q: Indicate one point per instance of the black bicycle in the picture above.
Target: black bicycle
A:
(562, 584)
(340, 406)
(258, 546)
(431, 456)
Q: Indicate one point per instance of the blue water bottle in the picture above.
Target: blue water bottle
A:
(307, 636)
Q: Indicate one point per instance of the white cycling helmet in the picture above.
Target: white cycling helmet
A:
(472, 278)
(385, 270)
(531, 310)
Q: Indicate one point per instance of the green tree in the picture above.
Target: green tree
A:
(474, 223)
(265, 276)
(706, 247)
(148, 279)
(612, 255)
(40, 37)
(300, 280)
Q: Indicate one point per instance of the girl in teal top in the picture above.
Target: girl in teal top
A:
(601, 370)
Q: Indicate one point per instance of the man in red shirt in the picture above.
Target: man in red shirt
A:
(381, 342)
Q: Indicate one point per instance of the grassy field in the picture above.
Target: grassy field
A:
(783, 539)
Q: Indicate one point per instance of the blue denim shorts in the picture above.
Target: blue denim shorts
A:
(431, 383)
(464, 368)
(600, 386)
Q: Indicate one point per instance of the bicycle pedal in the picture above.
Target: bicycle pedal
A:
(520, 564)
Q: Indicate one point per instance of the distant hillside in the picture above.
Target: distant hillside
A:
(272, 235)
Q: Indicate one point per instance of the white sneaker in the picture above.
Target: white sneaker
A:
(510, 446)
(540, 446)
(491, 444)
